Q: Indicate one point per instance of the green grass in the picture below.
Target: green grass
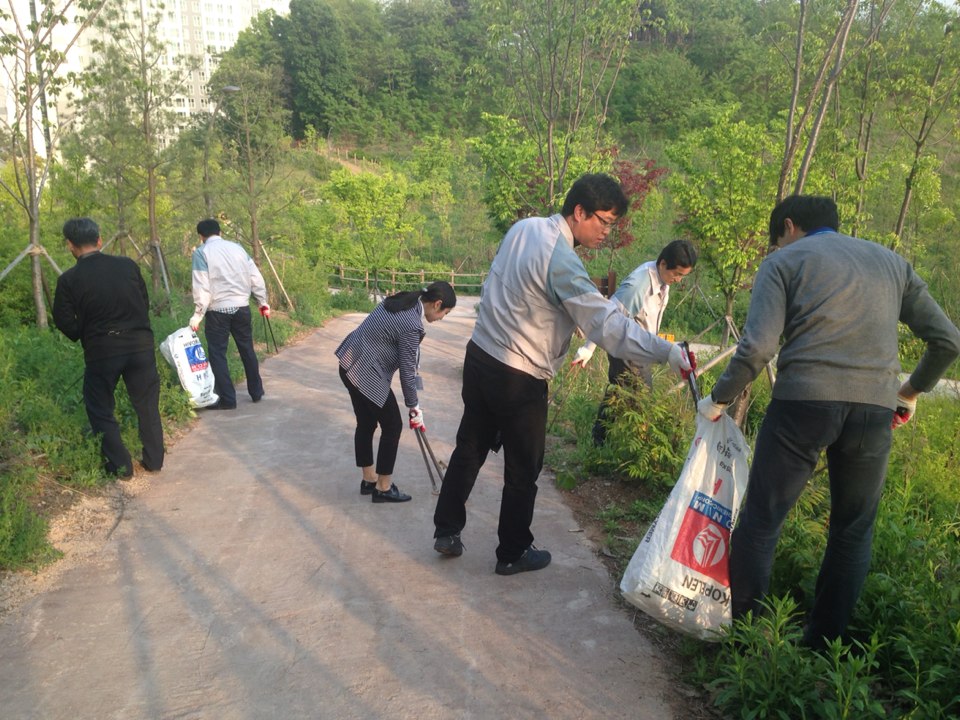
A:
(905, 652)
(44, 433)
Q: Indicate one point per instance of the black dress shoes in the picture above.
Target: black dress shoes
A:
(393, 495)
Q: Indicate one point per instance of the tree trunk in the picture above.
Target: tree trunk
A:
(840, 43)
(926, 125)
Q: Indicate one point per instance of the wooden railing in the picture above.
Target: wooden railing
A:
(387, 282)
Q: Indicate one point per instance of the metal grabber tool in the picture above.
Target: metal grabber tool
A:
(268, 324)
(691, 374)
(435, 466)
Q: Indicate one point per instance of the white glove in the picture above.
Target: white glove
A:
(416, 418)
(905, 410)
(678, 360)
(584, 354)
(711, 410)
(195, 321)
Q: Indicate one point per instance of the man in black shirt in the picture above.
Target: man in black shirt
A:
(102, 302)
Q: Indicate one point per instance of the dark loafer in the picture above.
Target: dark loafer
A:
(367, 487)
(393, 495)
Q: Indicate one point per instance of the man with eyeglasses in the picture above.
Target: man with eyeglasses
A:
(537, 293)
(644, 295)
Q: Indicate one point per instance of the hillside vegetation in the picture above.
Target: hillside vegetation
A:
(408, 135)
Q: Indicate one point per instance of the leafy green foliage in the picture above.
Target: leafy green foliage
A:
(763, 671)
(315, 48)
(646, 442)
(723, 189)
(375, 216)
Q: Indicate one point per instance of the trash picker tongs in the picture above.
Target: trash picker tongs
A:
(424, 449)
(691, 374)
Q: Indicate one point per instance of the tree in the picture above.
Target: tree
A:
(315, 49)
(254, 129)
(723, 186)
(433, 170)
(25, 47)
(810, 97)
(376, 215)
(561, 59)
(659, 92)
(925, 95)
(129, 56)
(109, 139)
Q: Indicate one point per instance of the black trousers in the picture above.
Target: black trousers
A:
(139, 373)
(497, 399)
(218, 329)
(619, 373)
(369, 415)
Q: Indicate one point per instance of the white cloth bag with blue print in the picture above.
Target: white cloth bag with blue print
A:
(679, 573)
(183, 350)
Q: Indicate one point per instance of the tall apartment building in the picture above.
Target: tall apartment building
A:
(205, 29)
(199, 28)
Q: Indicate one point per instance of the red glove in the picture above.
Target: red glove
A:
(416, 418)
(905, 410)
(265, 310)
(693, 365)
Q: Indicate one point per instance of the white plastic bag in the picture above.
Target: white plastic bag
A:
(182, 349)
(679, 573)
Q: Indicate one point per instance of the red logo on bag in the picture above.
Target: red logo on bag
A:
(703, 539)
(716, 485)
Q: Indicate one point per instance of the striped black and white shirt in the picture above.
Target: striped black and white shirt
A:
(382, 344)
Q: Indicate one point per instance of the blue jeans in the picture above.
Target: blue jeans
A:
(217, 329)
(857, 438)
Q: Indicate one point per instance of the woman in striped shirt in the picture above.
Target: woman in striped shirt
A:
(386, 341)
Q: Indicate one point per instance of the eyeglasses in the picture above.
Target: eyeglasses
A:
(605, 222)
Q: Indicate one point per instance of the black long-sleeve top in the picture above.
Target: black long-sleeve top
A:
(102, 302)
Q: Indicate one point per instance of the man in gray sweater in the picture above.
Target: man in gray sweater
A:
(836, 301)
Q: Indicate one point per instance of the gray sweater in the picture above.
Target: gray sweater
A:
(835, 300)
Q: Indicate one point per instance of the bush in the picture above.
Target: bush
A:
(906, 627)
(45, 436)
(905, 652)
(762, 671)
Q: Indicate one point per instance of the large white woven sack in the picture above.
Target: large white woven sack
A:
(679, 573)
(182, 349)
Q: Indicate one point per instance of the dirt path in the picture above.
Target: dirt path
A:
(250, 579)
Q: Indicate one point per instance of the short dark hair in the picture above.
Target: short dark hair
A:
(678, 253)
(207, 228)
(807, 212)
(81, 232)
(596, 191)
